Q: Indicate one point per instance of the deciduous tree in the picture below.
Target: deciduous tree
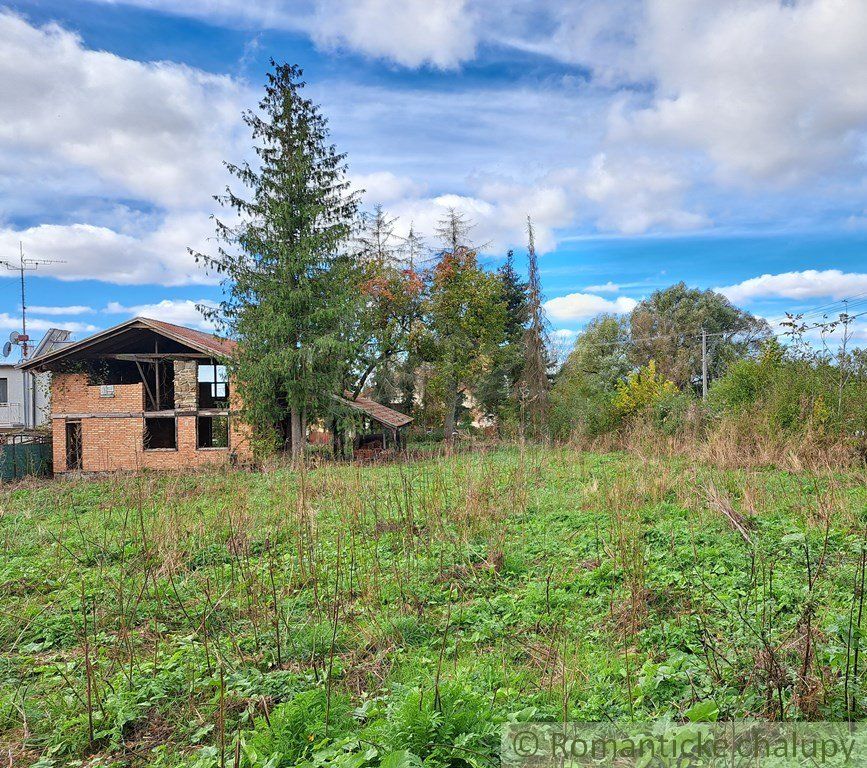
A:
(465, 325)
(667, 328)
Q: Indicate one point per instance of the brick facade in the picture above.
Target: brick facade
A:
(112, 430)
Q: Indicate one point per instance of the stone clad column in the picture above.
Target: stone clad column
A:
(186, 385)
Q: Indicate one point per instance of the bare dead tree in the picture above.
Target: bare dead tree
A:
(377, 241)
(453, 230)
(413, 248)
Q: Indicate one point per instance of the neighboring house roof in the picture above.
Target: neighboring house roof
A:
(54, 338)
(376, 411)
(206, 343)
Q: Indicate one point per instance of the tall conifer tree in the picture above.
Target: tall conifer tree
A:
(534, 384)
(288, 277)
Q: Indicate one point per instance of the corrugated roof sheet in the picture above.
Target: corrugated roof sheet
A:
(377, 411)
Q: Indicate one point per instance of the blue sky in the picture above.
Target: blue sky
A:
(719, 142)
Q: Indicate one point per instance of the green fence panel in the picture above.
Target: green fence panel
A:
(21, 459)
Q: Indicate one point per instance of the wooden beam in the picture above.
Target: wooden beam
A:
(140, 414)
(145, 382)
(150, 356)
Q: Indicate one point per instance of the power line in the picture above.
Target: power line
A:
(697, 336)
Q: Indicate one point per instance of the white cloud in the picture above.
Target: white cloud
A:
(563, 334)
(385, 187)
(39, 325)
(80, 125)
(636, 194)
(73, 310)
(756, 90)
(412, 33)
(608, 287)
(177, 311)
(100, 253)
(772, 91)
(582, 306)
(156, 131)
(807, 284)
(498, 212)
(409, 32)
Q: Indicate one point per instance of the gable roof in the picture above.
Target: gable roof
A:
(206, 343)
(376, 411)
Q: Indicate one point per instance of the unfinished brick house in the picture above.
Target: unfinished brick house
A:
(143, 394)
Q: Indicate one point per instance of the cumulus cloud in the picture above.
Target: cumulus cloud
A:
(409, 32)
(78, 124)
(772, 91)
(498, 214)
(40, 325)
(582, 306)
(385, 187)
(636, 194)
(155, 131)
(736, 87)
(806, 284)
(608, 287)
(177, 311)
(90, 252)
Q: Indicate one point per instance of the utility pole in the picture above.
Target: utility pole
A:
(26, 265)
(703, 364)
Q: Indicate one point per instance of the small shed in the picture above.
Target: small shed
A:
(390, 421)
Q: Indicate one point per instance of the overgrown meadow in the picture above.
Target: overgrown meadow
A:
(397, 615)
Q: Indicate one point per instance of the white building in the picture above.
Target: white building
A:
(24, 397)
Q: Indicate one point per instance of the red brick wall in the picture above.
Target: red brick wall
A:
(116, 443)
(70, 393)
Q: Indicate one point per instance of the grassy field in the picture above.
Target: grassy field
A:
(389, 615)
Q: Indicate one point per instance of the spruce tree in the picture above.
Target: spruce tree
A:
(534, 384)
(288, 277)
(497, 391)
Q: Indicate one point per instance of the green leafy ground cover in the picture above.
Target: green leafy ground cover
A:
(397, 615)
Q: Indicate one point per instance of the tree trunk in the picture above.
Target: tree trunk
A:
(297, 434)
(336, 442)
(451, 407)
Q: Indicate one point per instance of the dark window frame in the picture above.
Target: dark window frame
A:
(227, 446)
(145, 447)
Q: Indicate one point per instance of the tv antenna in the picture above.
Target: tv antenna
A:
(25, 265)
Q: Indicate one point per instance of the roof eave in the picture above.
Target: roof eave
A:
(140, 322)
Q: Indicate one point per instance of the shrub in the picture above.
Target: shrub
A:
(581, 411)
(642, 390)
(674, 412)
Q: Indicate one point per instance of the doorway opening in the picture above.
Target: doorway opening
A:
(73, 445)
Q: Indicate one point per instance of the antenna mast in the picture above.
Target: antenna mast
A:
(25, 265)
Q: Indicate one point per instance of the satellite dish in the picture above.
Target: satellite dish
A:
(14, 336)
(7, 348)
